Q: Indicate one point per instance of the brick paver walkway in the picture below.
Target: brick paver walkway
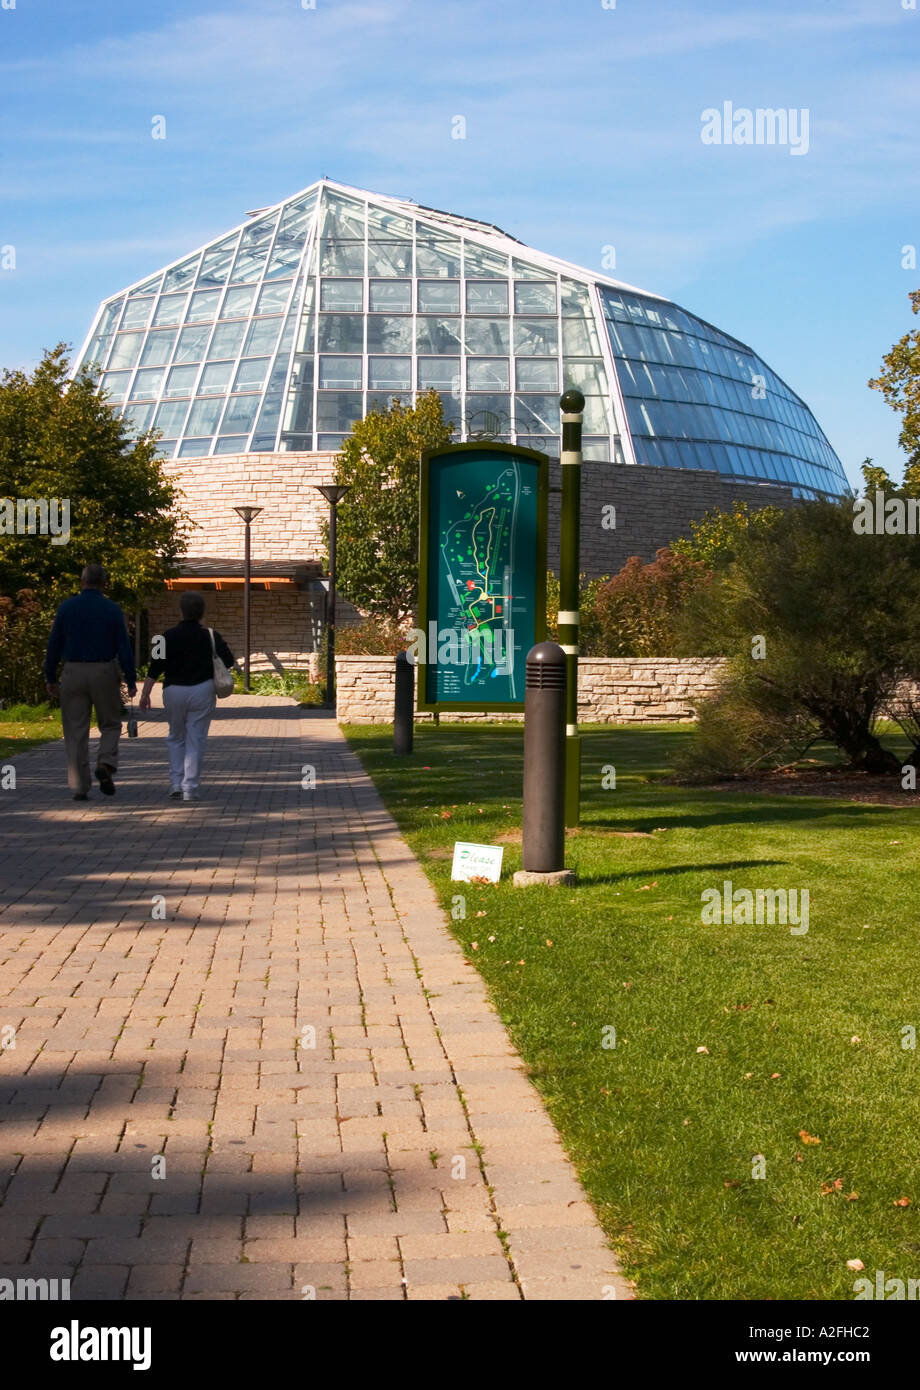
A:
(166, 1131)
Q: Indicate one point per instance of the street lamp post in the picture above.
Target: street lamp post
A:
(248, 515)
(333, 493)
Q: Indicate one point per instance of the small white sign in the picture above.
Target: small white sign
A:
(476, 861)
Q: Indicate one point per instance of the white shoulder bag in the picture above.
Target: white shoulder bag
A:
(223, 681)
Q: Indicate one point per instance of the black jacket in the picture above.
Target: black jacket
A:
(189, 660)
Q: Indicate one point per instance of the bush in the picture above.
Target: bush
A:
(296, 684)
(372, 637)
(24, 629)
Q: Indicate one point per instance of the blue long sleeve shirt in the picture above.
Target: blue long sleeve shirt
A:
(89, 627)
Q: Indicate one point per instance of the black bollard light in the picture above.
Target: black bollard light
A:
(404, 699)
(543, 857)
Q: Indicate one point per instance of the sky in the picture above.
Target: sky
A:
(583, 132)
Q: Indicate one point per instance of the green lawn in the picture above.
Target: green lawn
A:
(25, 726)
(804, 1032)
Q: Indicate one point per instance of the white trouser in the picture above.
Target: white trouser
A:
(189, 708)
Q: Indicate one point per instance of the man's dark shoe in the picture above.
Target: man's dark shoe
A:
(104, 778)
(81, 796)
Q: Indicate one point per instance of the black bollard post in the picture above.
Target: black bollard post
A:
(403, 702)
(543, 858)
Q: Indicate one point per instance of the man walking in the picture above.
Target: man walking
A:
(91, 637)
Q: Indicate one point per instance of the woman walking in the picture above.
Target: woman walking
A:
(188, 693)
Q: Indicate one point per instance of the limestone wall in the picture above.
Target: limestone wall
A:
(610, 690)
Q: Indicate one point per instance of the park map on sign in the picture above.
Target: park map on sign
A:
(477, 547)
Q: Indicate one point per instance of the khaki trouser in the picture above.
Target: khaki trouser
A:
(88, 685)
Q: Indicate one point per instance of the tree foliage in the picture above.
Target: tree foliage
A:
(821, 625)
(899, 383)
(61, 439)
(377, 559)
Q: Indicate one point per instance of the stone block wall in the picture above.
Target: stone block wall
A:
(610, 690)
(285, 627)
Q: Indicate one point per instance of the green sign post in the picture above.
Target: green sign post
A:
(482, 574)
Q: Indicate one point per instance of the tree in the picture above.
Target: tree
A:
(68, 461)
(714, 539)
(821, 626)
(377, 558)
(62, 440)
(899, 383)
(639, 610)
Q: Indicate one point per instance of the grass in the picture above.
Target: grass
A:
(296, 684)
(26, 726)
(804, 1033)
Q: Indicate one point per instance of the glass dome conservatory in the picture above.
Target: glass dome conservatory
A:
(278, 335)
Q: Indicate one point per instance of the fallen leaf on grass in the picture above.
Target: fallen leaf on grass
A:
(474, 945)
(855, 1265)
(902, 1202)
(646, 886)
(807, 1138)
(731, 1182)
(828, 1187)
(548, 942)
(852, 1197)
(703, 1049)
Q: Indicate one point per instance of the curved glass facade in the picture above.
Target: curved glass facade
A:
(282, 333)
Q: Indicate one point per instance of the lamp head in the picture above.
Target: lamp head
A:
(248, 514)
(333, 492)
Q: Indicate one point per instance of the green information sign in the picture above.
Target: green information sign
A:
(482, 574)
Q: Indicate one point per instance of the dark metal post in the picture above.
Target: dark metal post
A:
(573, 404)
(404, 698)
(248, 515)
(543, 856)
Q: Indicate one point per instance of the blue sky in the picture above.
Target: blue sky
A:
(583, 131)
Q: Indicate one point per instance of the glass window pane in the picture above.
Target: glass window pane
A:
(343, 216)
(137, 312)
(215, 378)
(341, 333)
(589, 377)
(165, 448)
(180, 381)
(216, 262)
(486, 297)
(438, 297)
(487, 374)
(98, 349)
(232, 444)
(533, 298)
(437, 255)
(181, 276)
(170, 309)
(251, 374)
(488, 337)
(598, 449)
(439, 373)
(192, 343)
(262, 336)
(537, 374)
(488, 415)
(273, 298)
(340, 256)
(536, 337)
(147, 385)
(330, 442)
(284, 260)
(521, 270)
(205, 416)
(544, 443)
(158, 348)
(194, 448)
(306, 333)
(579, 338)
(148, 287)
(226, 340)
(240, 415)
(387, 226)
(576, 299)
(340, 373)
(389, 334)
(138, 417)
(389, 373)
(124, 353)
(478, 261)
(170, 416)
(110, 317)
(338, 410)
(391, 296)
(116, 384)
(389, 257)
(536, 414)
(342, 294)
(437, 335)
(203, 305)
(597, 415)
(238, 302)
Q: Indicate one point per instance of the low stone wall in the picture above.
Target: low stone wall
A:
(611, 690)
